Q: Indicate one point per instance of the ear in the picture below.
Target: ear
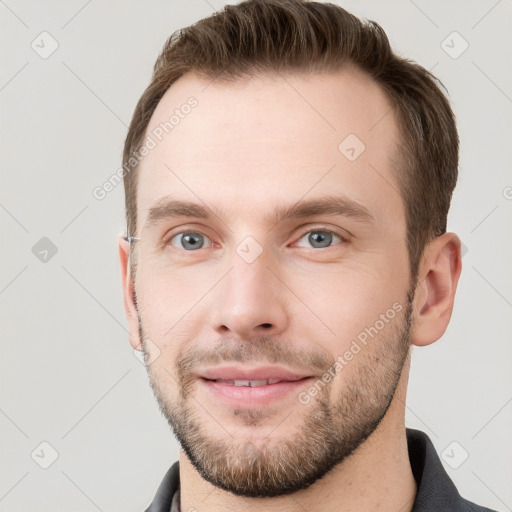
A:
(130, 305)
(438, 276)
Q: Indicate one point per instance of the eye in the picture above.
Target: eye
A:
(189, 240)
(319, 239)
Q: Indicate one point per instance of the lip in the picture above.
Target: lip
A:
(252, 397)
(247, 396)
(258, 373)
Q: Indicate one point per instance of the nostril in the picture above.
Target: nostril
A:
(266, 325)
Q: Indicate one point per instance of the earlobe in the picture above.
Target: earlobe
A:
(435, 293)
(129, 297)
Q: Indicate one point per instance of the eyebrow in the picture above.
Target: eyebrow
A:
(328, 205)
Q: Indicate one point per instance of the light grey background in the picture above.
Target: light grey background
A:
(68, 374)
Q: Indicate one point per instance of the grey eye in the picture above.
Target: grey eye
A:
(318, 239)
(189, 240)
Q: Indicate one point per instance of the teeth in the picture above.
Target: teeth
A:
(251, 383)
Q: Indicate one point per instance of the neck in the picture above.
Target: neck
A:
(377, 477)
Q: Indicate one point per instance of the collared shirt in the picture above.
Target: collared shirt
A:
(435, 490)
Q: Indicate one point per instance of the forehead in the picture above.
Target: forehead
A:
(248, 145)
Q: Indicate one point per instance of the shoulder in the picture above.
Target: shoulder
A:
(164, 495)
(435, 489)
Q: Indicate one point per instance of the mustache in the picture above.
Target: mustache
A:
(257, 350)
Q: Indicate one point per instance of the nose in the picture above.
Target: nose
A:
(250, 300)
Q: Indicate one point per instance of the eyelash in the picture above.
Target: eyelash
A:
(320, 229)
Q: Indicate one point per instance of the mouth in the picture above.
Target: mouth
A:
(251, 383)
(243, 376)
(252, 391)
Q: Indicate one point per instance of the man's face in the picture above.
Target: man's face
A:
(317, 292)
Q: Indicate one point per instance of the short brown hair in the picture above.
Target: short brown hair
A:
(258, 36)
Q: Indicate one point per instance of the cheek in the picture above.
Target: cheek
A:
(173, 307)
(360, 310)
(170, 301)
(348, 297)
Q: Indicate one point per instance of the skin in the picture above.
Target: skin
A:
(245, 149)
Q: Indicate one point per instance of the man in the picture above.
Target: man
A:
(287, 181)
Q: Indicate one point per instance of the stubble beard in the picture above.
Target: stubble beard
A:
(326, 431)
